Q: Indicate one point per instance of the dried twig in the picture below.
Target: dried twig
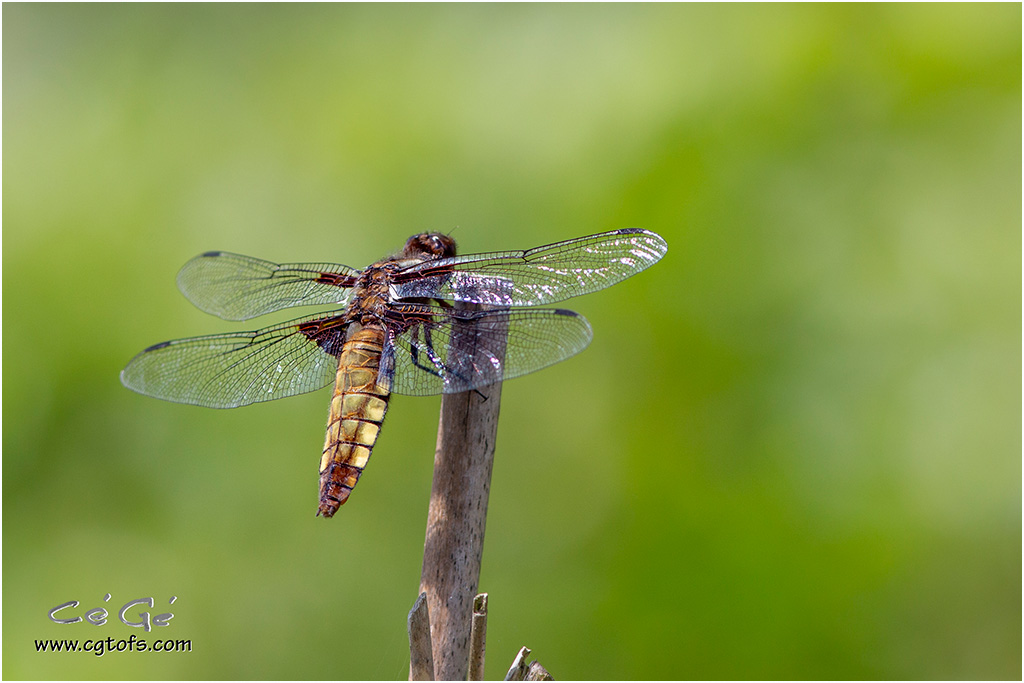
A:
(517, 672)
(421, 661)
(537, 672)
(521, 671)
(478, 638)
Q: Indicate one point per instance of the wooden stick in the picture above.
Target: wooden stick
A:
(458, 513)
(456, 522)
(457, 516)
(478, 638)
(421, 660)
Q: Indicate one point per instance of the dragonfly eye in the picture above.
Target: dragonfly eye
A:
(432, 243)
(443, 245)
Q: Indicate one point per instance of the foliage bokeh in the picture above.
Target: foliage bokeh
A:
(792, 451)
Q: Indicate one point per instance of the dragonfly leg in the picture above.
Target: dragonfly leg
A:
(440, 368)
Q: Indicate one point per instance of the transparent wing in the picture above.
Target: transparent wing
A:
(446, 351)
(537, 276)
(236, 287)
(236, 369)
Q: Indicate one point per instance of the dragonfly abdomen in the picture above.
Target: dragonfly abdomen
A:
(357, 411)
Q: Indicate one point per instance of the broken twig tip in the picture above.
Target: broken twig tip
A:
(421, 656)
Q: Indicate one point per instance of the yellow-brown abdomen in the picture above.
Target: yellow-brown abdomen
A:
(354, 419)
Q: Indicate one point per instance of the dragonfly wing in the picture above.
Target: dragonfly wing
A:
(237, 369)
(236, 287)
(446, 351)
(537, 276)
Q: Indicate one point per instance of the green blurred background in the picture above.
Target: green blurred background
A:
(793, 449)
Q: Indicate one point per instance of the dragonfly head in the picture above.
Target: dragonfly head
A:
(431, 244)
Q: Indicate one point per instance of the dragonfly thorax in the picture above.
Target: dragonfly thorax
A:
(371, 293)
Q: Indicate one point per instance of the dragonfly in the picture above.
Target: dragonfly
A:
(423, 321)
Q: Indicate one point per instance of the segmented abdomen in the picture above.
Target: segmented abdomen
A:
(353, 422)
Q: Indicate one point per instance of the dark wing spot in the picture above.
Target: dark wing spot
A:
(336, 279)
(329, 333)
(154, 347)
(565, 311)
(212, 254)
